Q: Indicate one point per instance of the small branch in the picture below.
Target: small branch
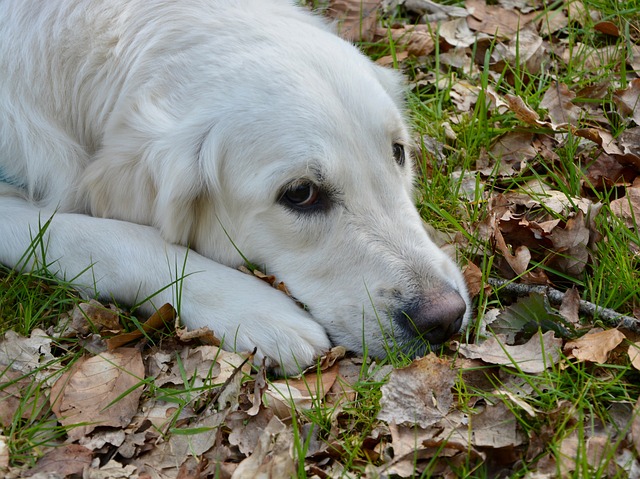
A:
(607, 315)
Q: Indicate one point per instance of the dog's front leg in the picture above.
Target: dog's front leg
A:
(133, 264)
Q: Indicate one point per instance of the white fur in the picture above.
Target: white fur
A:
(191, 117)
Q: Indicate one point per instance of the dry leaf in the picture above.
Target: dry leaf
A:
(570, 305)
(19, 393)
(495, 20)
(634, 354)
(303, 392)
(594, 347)
(628, 100)
(418, 394)
(99, 391)
(94, 316)
(570, 245)
(26, 354)
(273, 455)
(635, 427)
(64, 461)
(538, 354)
(357, 19)
(627, 208)
(164, 316)
(558, 101)
(518, 260)
(4, 453)
(496, 427)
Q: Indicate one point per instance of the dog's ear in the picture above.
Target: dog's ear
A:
(393, 82)
(157, 185)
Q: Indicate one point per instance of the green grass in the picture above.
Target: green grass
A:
(571, 402)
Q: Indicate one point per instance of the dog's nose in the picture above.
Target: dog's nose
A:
(436, 318)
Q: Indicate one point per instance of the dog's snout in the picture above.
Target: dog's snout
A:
(435, 319)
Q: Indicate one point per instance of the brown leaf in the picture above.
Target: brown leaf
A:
(64, 461)
(103, 390)
(538, 354)
(557, 100)
(272, 457)
(304, 392)
(607, 172)
(609, 145)
(357, 19)
(635, 427)
(608, 28)
(19, 394)
(552, 21)
(512, 151)
(627, 208)
(418, 394)
(495, 20)
(26, 354)
(4, 453)
(570, 305)
(522, 111)
(571, 245)
(496, 427)
(164, 316)
(473, 277)
(518, 260)
(418, 40)
(628, 100)
(94, 316)
(634, 354)
(594, 347)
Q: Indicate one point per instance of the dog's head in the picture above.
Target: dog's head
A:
(295, 153)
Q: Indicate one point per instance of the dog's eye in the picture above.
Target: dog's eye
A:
(302, 195)
(398, 153)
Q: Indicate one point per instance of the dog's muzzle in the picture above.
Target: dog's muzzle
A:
(433, 319)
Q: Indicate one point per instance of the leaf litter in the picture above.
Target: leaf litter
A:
(125, 406)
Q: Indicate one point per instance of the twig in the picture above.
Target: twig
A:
(607, 315)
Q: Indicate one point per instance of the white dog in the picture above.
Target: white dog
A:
(239, 129)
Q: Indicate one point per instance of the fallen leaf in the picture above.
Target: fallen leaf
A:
(634, 354)
(627, 208)
(357, 19)
(635, 427)
(538, 354)
(570, 306)
(303, 393)
(594, 347)
(608, 28)
(518, 260)
(4, 453)
(26, 354)
(103, 390)
(163, 317)
(63, 461)
(558, 101)
(570, 244)
(628, 100)
(273, 455)
(20, 394)
(495, 20)
(419, 393)
(496, 427)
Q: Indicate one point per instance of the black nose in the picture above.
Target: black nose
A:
(434, 318)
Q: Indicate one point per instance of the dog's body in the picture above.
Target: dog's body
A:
(230, 126)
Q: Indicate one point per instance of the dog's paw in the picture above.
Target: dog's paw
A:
(247, 314)
(289, 348)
